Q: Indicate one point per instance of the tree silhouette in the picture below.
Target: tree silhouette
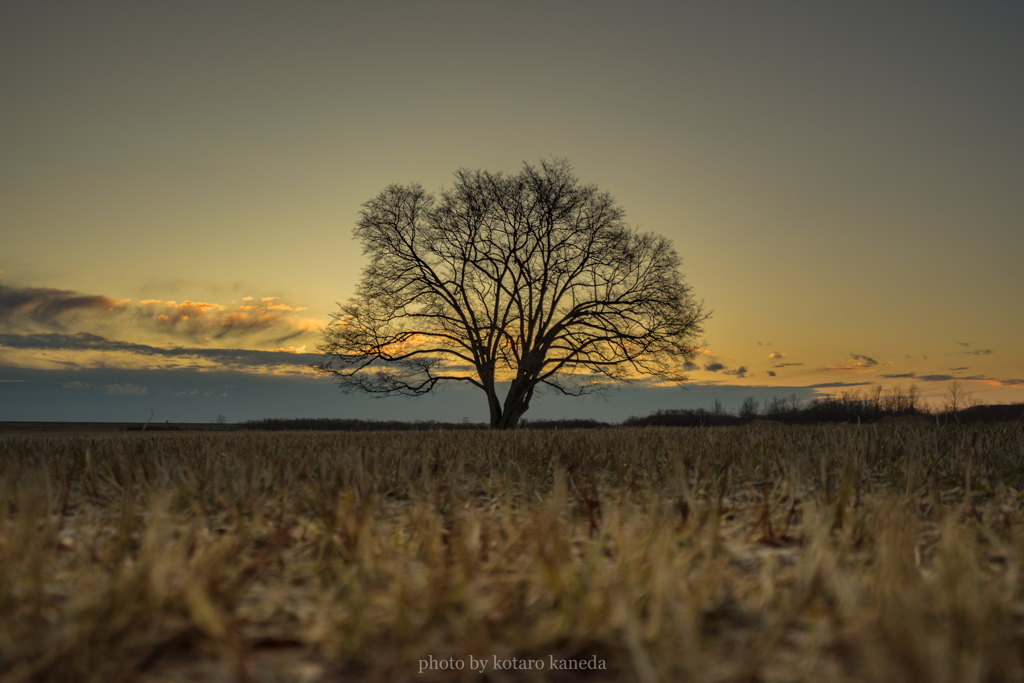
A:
(959, 398)
(748, 410)
(532, 278)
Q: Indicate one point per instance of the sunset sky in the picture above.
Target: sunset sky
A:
(179, 182)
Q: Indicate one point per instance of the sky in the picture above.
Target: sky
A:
(179, 183)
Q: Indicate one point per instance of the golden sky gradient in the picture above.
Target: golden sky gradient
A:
(844, 183)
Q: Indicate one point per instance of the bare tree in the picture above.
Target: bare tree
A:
(532, 278)
(959, 398)
(875, 398)
(912, 399)
(748, 410)
(893, 401)
(775, 408)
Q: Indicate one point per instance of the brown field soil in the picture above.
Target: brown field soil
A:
(831, 553)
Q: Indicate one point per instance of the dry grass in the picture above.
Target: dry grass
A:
(725, 554)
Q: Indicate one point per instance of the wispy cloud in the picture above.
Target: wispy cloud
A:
(200, 320)
(262, 322)
(50, 307)
(241, 359)
(127, 389)
(740, 372)
(777, 354)
(858, 367)
(993, 381)
(785, 365)
(856, 363)
(974, 352)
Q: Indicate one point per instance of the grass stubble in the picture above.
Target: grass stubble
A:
(841, 553)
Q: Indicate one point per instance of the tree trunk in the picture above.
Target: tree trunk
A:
(493, 405)
(516, 404)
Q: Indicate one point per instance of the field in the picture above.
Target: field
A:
(840, 553)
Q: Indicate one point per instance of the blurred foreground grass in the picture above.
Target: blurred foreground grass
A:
(717, 554)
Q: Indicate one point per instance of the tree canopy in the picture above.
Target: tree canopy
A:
(531, 279)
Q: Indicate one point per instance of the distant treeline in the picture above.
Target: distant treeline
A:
(985, 413)
(338, 425)
(852, 406)
(329, 424)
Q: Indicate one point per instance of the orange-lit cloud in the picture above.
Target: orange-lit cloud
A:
(777, 354)
(857, 363)
(267, 322)
(856, 367)
(200, 320)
